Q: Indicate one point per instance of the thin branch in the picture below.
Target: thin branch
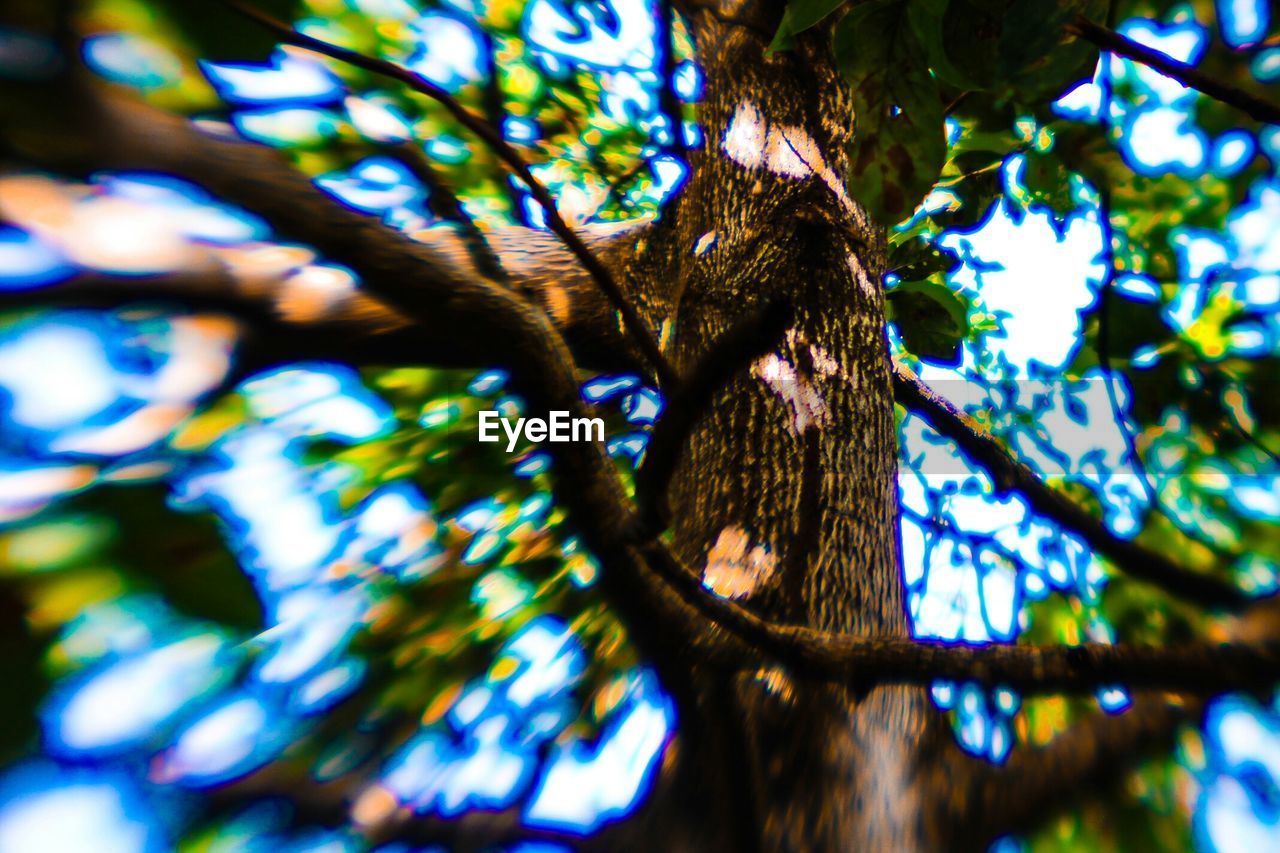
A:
(1257, 108)
(445, 204)
(509, 156)
(1011, 475)
(495, 107)
(753, 335)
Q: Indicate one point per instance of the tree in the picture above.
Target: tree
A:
(756, 564)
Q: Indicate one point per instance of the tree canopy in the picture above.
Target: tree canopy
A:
(263, 588)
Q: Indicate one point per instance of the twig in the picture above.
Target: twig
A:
(752, 336)
(495, 107)
(1011, 475)
(493, 139)
(445, 204)
(1257, 108)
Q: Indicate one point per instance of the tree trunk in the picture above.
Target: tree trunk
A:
(786, 496)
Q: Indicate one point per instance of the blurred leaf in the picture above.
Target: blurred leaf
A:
(799, 16)
(932, 319)
(1047, 183)
(899, 143)
(219, 34)
(24, 680)
(189, 564)
(959, 38)
(917, 260)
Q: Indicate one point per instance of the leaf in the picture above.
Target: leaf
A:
(959, 38)
(932, 319)
(1036, 56)
(916, 260)
(1045, 182)
(219, 34)
(899, 143)
(183, 556)
(799, 16)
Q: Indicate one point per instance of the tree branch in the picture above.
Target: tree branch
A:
(1201, 668)
(750, 337)
(1257, 108)
(1011, 475)
(492, 138)
(452, 311)
(285, 320)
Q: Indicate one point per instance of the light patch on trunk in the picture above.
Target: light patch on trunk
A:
(555, 299)
(792, 152)
(744, 138)
(734, 568)
(860, 275)
(823, 361)
(704, 244)
(776, 681)
(313, 293)
(808, 408)
(785, 150)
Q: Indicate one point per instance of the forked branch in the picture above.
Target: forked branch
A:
(753, 335)
(1109, 40)
(493, 139)
(1010, 475)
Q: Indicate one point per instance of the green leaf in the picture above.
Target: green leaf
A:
(217, 33)
(1036, 56)
(932, 319)
(1045, 182)
(916, 260)
(799, 16)
(959, 37)
(188, 563)
(899, 143)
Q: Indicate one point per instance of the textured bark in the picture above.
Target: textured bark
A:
(792, 470)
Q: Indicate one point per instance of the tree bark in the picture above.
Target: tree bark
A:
(786, 493)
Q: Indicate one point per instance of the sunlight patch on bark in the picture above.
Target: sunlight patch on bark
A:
(555, 298)
(785, 150)
(745, 136)
(808, 408)
(313, 292)
(860, 275)
(788, 151)
(705, 243)
(734, 568)
(776, 681)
